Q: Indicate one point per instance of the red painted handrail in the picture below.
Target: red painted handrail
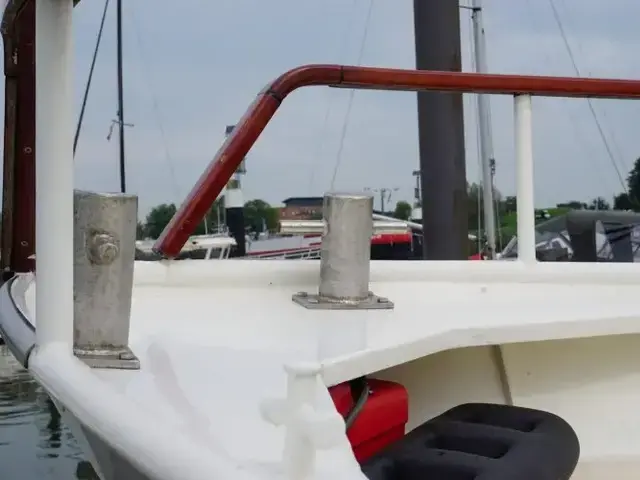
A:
(254, 121)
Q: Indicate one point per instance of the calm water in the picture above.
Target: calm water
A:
(34, 444)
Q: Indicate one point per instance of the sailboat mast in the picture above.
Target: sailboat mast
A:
(123, 183)
(441, 134)
(484, 124)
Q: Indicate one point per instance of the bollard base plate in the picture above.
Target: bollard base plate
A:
(120, 358)
(316, 302)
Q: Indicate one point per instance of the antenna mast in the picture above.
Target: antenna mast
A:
(120, 121)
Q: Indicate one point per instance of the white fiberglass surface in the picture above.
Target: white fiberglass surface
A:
(246, 305)
(213, 340)
(429, 316)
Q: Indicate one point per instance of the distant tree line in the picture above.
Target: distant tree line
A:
(630, 199)
(627, 200)
(259, 215)
(506, 209)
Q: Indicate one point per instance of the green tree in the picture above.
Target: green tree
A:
(272, 218)
(158, 218)
(258, 213)
(622, 202)
(630, 200)
(141, 231)
(214, 217)
(633, 184)
(510, 204)
(403, 210)
(599, 203)
(475, 204)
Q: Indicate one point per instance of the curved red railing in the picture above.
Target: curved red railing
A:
(254, 121)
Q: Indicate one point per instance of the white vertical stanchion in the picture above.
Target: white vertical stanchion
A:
(523, 130)
(54, 171)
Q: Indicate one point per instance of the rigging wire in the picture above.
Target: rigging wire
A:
(330, 98)
(90, 77)
(496, 202)
(603, 111)
(154, 100)
(496, 209)
(352, 92)
(476, 114)
(578, 133)
(596, 120)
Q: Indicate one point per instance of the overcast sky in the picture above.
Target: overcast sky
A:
(193, 67)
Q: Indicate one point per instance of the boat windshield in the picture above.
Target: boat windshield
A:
(544, 241)
(554, 236)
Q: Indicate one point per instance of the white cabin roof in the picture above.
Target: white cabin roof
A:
(196, 241)
(206, 241)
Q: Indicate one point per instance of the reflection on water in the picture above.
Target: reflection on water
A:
(34, 444)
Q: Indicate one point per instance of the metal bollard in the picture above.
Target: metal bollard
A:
(346, 247)
(104, 250)
(345, 256)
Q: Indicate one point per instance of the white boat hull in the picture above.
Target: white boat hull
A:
(106, 460)
(232, 376)
(554, 341)
(608, 436)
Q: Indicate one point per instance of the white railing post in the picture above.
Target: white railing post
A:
(54, 171)
(523, 129)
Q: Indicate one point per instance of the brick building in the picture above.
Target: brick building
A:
(301, 208)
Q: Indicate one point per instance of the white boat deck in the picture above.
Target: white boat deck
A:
(204, 377)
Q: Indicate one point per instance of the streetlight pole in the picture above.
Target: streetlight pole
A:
(385, 195)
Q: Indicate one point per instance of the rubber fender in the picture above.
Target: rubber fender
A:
(478, 441)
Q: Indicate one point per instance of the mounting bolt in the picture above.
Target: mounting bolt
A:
(102, 248)
(127, 356)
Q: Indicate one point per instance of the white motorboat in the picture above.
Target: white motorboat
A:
(342, 369)
(301, 241)
(199, 247)
(585, 236)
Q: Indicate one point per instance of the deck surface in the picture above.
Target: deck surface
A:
(213, 338)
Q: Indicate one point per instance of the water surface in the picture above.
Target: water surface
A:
(34, 443)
